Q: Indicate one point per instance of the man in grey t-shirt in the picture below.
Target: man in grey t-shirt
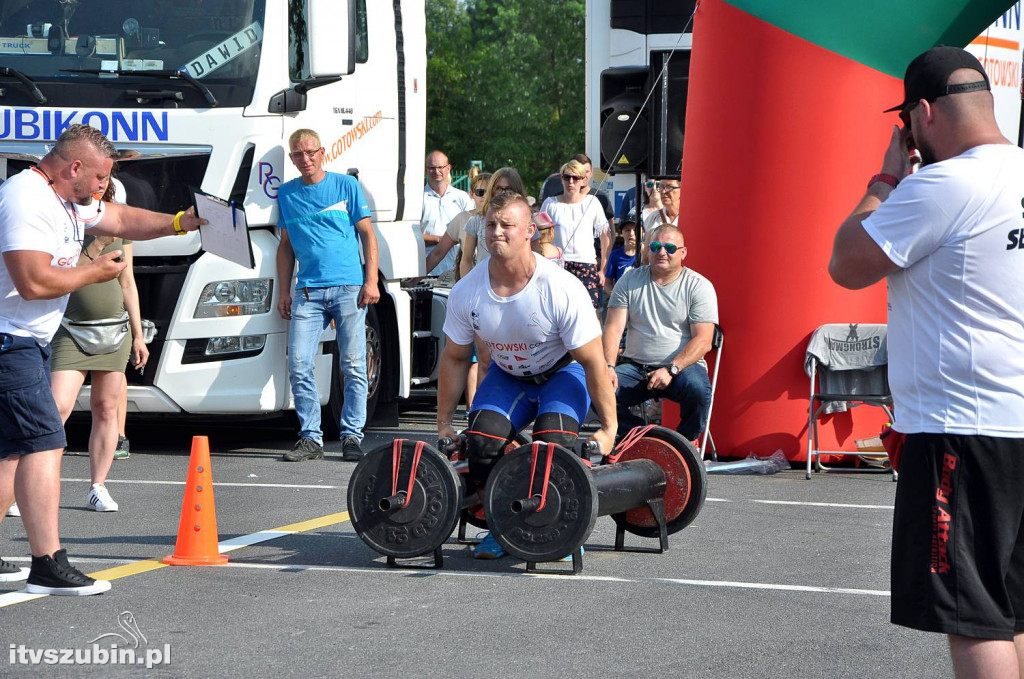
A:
(670, 312)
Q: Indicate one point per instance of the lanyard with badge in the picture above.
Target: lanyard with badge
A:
(73, 216)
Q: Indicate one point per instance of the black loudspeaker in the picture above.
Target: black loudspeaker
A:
(652, 17)
(625, 131)
(668, 112)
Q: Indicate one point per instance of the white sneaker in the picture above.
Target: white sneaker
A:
(13, 510)
(100, 500)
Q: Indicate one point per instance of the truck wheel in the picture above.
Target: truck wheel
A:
(330, 413)
(374, 361)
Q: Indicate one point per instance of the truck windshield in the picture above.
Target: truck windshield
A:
(109, 53)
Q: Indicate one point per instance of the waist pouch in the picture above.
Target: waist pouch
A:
(546, 375)
(95, 338)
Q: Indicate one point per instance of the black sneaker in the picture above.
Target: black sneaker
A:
(11, 573)
(54, 575)
(304, 449)
(350, 450)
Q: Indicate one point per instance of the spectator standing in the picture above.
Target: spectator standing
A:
(76, 355)
(578, 220)
(652, 192)
(455, 234)
(669, 312)
(623, 256)
(441, 203)
(41, 237)
(324, 218)
(947, 239)
(544, 245)
(668, 213)
(504, 179)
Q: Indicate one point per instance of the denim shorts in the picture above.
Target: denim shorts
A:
(29, 419)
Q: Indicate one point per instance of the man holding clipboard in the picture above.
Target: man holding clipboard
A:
(324, 216)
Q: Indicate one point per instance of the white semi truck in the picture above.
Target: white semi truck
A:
(207, 93)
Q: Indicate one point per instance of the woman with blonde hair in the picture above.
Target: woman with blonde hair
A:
(503, 179)
(579, 219)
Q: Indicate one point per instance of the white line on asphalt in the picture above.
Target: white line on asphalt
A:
(800, 504)
(218, 483)
(327, 487)
(821, 504)
(571, 578)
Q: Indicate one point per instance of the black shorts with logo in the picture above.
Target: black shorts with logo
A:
(29, 419)
(957, 548)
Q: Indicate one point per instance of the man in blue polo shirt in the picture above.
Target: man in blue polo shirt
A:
(324, 216)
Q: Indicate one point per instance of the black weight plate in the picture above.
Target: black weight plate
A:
(569, 513)
(431, 515)
(687, 482)
(470, 513)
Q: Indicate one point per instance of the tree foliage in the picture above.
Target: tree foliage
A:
(505, 83)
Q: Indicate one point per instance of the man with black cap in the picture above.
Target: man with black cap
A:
(948, 241)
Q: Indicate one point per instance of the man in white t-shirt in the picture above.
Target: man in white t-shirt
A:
(441, 203)
(545, 346)
(41, 232)
(948, 241)
(668, 213)
(670, 312)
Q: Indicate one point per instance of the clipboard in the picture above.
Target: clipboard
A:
(227, 234)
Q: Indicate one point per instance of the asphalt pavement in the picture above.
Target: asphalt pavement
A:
(777, 577)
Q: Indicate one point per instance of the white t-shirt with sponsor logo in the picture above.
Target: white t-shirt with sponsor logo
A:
(530, 331)
(34, 217)
(576, 227)
(956, 306)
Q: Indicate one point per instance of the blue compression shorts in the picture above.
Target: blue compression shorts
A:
(520, 402)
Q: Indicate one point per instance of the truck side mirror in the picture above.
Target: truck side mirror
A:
(331, 30)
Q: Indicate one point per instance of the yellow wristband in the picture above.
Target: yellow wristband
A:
(177, 224)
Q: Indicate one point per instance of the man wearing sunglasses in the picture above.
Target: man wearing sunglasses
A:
(324, 219)
(670, 312)
(442, 202)
(947, 239)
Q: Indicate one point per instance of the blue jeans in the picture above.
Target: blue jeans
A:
(312, 311)
(691, 389)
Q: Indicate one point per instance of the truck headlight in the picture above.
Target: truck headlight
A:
(235, 345)
(235, 298)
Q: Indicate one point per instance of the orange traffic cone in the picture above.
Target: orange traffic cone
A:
(197, 530)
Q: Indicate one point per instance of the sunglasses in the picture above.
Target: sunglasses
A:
(299, 155)
(480, 193)
(652, 184)
(670, 248)
(571, 178)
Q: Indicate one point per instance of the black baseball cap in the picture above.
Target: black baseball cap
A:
(927, 74)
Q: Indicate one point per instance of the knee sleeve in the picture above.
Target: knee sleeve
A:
(487, 436)
(556, 428)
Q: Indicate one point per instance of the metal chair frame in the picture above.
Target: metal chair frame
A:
(716, 346)
(883, 401)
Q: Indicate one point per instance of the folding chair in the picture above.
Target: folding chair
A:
(642, 411)
(716, 346)
(847, 365)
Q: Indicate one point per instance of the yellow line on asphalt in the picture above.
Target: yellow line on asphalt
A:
(147, 565)
(312, 524)
(127, 569)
